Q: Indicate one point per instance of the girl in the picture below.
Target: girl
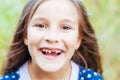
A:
(54, 40)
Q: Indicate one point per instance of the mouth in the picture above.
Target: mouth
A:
(51, 52)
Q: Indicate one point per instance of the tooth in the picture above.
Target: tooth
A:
(58, 52)
(43, 50)
(46, 51)
(49, 51)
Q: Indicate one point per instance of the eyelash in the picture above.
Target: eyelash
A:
(44, 26)
(66, 27)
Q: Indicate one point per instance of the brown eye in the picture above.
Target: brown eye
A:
(41, 26)
(66, 27)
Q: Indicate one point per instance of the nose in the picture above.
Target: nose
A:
(51, 36)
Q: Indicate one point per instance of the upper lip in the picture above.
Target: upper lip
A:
(51, 49)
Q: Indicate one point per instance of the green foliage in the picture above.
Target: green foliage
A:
(104, 15)
(9, 14)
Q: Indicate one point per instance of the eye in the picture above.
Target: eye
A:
(66, 27)
(41, 26)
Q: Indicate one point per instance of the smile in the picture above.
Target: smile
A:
(51, 51)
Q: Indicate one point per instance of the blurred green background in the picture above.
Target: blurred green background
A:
(104, 16)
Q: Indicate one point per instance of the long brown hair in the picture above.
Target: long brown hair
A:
(87, 55)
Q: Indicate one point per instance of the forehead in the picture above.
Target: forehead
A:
(57, 8)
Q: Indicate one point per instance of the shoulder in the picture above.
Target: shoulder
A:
(88, 74)
(10, 76)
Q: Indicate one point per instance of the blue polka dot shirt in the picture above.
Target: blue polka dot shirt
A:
(84, 74)
(11, 76)
(88, 74)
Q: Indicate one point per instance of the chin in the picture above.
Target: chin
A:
(51, 66)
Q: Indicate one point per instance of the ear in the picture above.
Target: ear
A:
(79, 42)
(26, 41)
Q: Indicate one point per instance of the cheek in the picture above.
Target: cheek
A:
(33, 37)
(71, 42)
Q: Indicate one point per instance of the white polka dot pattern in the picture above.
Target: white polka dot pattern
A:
(88, 74)
(11, 76)
(84, 74)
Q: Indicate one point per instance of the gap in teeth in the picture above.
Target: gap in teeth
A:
(51, 51)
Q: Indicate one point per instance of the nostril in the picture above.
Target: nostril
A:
(51, 39)
(52, 36)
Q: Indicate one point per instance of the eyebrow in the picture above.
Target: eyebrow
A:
(37, 19)
(64, 20)
(68, 20)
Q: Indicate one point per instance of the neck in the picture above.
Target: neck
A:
(37, 74)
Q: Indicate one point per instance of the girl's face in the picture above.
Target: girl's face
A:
(53, 35)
